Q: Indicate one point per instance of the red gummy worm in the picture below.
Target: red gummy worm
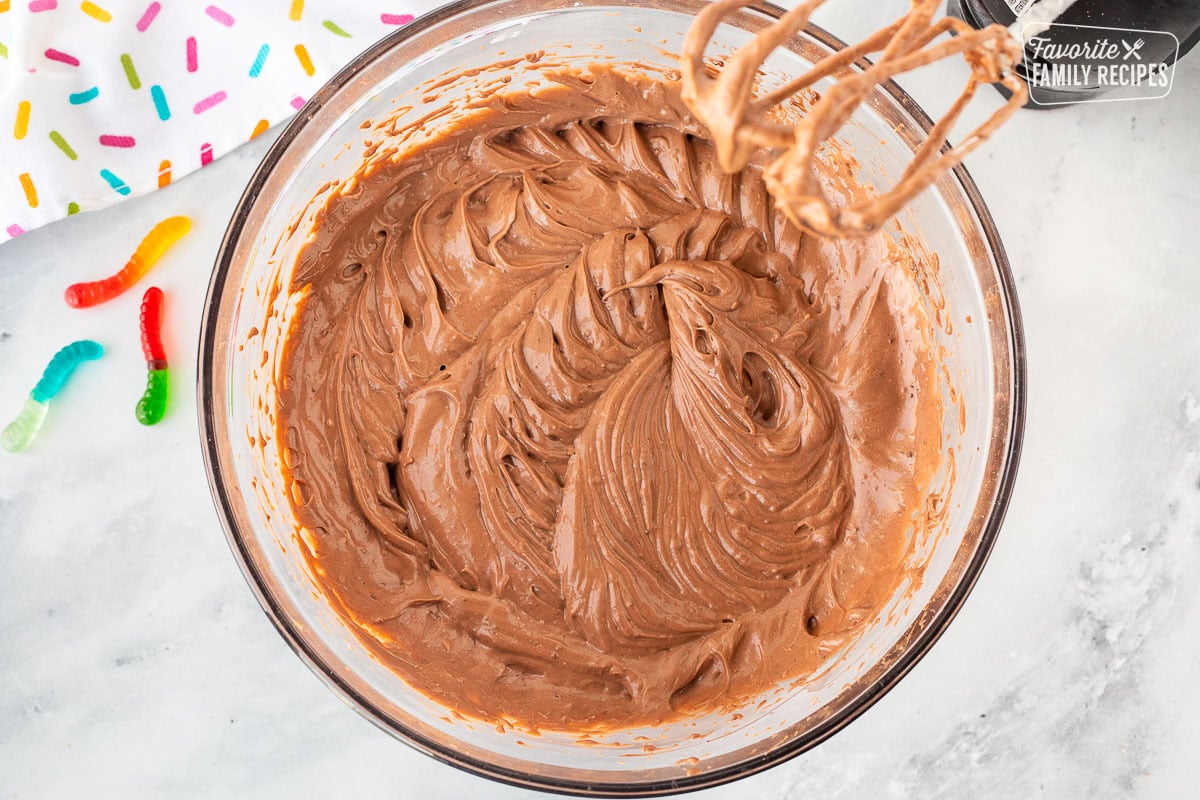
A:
(82, 295)
(161, 237)
(151, 320)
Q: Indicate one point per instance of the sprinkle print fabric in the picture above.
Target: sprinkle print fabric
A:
(116, 98)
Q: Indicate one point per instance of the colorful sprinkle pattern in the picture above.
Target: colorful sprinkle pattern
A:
(148, 16)
(95, 12)
(260, 60)
(62, 145)
(95, 99)
(21, 127)
(130, 72)
(63, 58)
(160, 102)
(208, 102)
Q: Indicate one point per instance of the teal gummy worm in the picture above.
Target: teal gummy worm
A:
(21, 431)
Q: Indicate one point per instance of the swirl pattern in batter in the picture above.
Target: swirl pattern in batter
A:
(583, 432)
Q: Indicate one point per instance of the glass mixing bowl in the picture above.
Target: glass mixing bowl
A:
(245, 321)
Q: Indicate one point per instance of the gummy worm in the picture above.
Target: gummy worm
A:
(161, 237)
(153, 405)
(20, 432)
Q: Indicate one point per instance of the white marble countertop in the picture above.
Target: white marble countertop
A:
(134, 660)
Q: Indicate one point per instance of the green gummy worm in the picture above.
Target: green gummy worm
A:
(153, 405)
(20, 432)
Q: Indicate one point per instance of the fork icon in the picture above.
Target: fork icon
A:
(1131, 50)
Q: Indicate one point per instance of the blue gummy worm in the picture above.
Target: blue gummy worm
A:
(62, 365)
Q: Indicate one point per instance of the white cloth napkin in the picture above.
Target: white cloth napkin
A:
(110, 99)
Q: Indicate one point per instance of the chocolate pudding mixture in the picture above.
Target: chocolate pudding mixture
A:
(584, 433)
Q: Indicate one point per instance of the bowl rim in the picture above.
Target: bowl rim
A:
(208, 407)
